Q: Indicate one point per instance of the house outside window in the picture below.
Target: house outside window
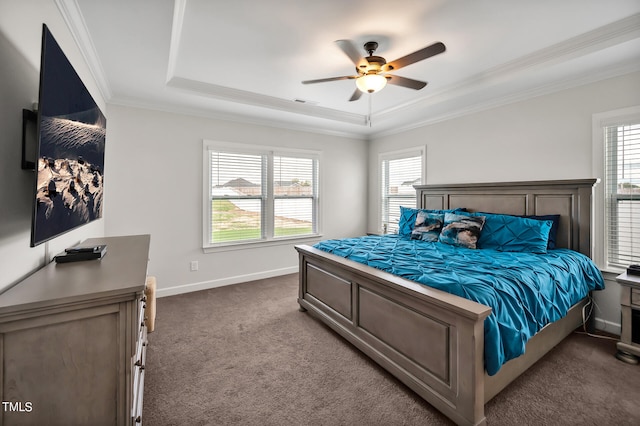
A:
(399, 171)
(255, 194)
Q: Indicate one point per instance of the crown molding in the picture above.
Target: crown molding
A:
(523, 95)
(256, 99)
(72, 16)
(593, 41)
(234, 118)
(179, 7)
(606, 36)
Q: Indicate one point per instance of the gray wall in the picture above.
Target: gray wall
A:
(20, 34)
(546, 137)
(156, 185)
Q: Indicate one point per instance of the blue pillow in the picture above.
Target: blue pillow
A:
(408, 218)
(461, 230)
(427, 226)
(553, 232)
(514, 234)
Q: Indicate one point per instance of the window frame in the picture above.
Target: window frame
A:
(268, 197)
(419, 151)
(599, 239)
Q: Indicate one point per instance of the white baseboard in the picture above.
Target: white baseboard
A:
(608, 326)
(205, 285)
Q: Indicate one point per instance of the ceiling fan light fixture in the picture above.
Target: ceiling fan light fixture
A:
(371, 83)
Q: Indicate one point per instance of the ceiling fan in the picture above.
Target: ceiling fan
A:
(372, 70)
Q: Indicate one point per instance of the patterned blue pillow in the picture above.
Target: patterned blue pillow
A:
(515, 234)
(461, 230)
(408, 218)
(427, 226)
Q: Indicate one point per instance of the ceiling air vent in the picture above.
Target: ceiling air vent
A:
(304, 101)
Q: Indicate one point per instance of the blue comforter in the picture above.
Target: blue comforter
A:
(525, 291)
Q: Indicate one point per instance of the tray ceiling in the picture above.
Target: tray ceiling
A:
(245, 60)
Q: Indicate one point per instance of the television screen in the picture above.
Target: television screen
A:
(71, 140)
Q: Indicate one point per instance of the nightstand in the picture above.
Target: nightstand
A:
(629, 344)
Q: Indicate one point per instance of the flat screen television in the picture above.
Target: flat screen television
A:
(71, 132)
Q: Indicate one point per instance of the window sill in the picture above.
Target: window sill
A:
(263, 243)
(611, 272)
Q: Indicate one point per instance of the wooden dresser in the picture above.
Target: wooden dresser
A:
(629, 344)
(73, 340)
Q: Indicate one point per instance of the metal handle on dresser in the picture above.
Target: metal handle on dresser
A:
(144, 308)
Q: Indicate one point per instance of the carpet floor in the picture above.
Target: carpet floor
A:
(244, 355)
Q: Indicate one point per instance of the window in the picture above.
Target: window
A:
(255, 194)
(399, 171)
(622, 193)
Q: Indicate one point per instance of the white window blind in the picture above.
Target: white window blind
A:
(237, 196)
(295, 195)
(399, 172)
(622, 194)
(254, 196)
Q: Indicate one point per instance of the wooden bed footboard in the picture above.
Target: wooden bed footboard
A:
(382, 315)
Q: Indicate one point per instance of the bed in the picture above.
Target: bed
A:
(431, 340)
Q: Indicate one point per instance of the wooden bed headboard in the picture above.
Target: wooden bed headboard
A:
(571, 199)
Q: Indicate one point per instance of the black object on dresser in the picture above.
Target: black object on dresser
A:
(633, 270)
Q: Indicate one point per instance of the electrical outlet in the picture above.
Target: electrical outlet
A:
(194, 265)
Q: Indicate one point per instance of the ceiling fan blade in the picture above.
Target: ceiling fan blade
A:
(405, 82)
(324, 80)
(352, 52)
(427, 52)
(356, 95)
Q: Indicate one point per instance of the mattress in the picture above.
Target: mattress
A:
(525, 291)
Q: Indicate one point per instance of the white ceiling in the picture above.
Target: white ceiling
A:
(245, 59)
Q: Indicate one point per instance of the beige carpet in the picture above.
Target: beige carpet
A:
(245, 355)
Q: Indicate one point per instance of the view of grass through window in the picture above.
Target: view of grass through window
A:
(231, 223)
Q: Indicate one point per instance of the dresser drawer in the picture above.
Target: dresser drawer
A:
(635, 297)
